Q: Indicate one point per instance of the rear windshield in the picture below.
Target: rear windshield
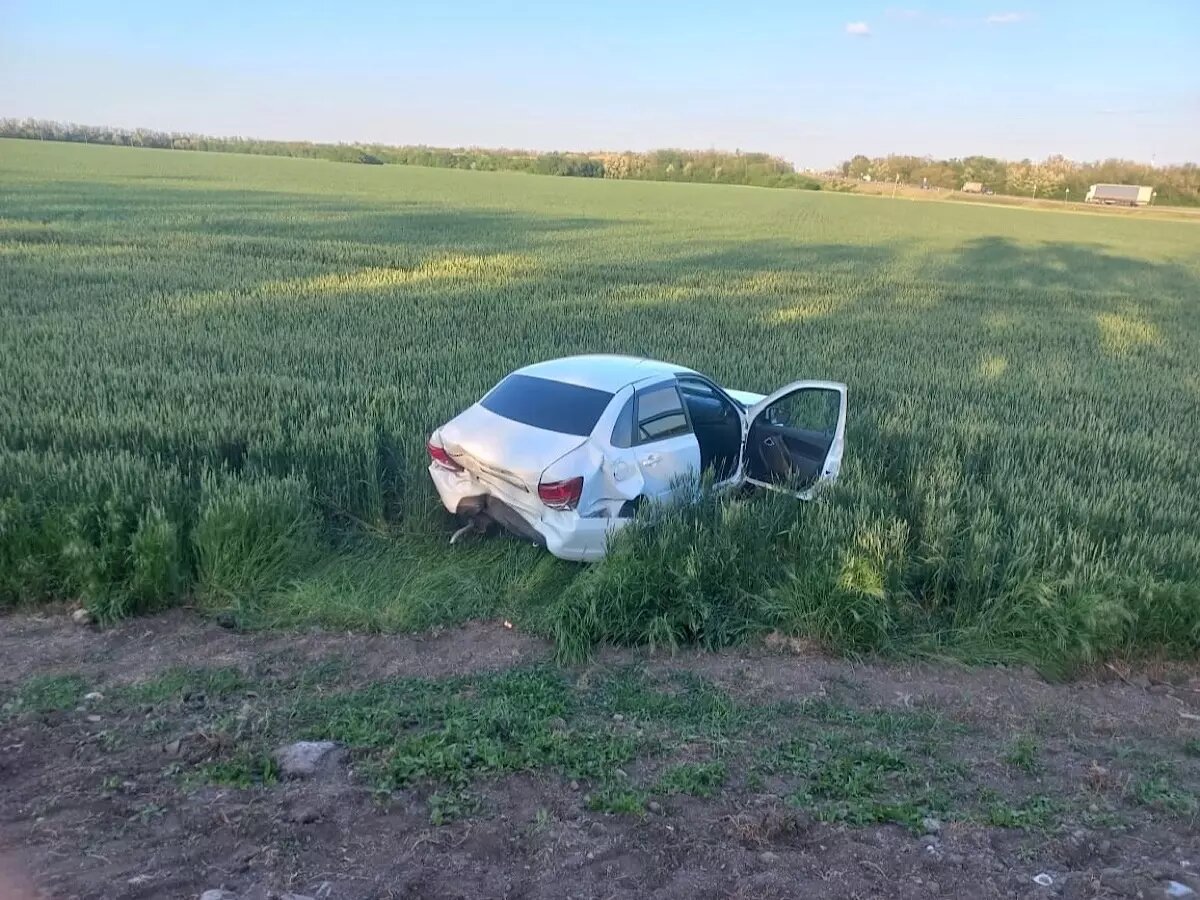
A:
(550, 405)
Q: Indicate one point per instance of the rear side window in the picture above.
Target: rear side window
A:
(549, 405)
(622, 435)
(660, 414)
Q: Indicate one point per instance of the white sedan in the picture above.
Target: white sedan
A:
(562, 452)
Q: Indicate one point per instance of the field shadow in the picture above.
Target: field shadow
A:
(1068, 265)
(266, 215)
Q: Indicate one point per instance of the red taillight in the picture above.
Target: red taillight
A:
(561, 494)
(442, 458)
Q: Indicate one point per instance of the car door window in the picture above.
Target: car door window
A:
(716, 423)
(660, 414)
(790, 440)
(622, 433)
(812, 411)
(704, 401)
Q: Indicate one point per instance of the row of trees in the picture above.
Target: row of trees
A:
(658, 165)
(1054, 177)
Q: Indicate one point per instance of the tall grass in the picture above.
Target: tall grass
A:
(716, 567)
(251, 536)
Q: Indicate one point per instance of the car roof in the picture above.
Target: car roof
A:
(601, 371)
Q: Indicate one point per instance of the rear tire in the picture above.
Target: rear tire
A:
(630, 507)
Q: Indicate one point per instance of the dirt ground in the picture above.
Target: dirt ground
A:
(97, 798)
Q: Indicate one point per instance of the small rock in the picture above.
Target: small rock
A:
(81, 617)
(617, 717)
(93, 696)
(139, 880)
(1175, 889)
(218, 894)
(768, 858)
(93, 718)
(931, 825)
(305, 815)
(300, 760)
(596, 829)
(1043, 879)
(294, 897)
(574, 785)
(654, 806)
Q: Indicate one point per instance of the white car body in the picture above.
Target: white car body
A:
(561, 452)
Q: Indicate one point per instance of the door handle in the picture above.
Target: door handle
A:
(651, 459)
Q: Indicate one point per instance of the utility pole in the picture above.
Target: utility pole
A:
(895, 185)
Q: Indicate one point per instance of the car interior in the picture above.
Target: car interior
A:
(716, 424)
(789, 442)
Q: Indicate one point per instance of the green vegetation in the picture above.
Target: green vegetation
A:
(707, 166)
(224, 370)
(1023, 754)
(628, 739)
(45, 694)
(1055, 178)
(697, 779)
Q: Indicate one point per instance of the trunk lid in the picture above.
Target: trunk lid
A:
(505, 455)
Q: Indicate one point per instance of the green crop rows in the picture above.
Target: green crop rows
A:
(219, 373)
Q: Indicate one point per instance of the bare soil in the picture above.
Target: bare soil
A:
(92, 807)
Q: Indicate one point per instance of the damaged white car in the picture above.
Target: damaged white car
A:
(562, 452)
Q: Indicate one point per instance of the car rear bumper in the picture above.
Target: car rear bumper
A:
(565, 534)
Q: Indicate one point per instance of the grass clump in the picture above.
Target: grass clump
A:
(1022, 754)
(250, 537)
(697, 779)
(682, 573)
(46, 694)
(178, 684)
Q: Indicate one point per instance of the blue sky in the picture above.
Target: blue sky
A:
(814, 83)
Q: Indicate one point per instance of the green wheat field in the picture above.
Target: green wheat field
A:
(219, 373)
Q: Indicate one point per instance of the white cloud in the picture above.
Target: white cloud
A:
(858, 29)
(1006, 18)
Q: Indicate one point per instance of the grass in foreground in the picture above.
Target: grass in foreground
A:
(633, 740)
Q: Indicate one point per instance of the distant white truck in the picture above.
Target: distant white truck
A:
(1120, 194)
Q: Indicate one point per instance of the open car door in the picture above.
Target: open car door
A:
(795, 437)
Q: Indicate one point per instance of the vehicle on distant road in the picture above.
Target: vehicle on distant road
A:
(563, 452)
(1120, 194)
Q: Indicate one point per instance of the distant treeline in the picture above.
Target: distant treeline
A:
(707, 166)
(1054, 178)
